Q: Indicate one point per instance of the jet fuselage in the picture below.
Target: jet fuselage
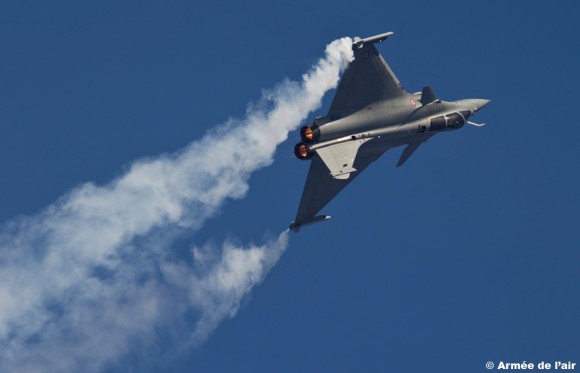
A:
(400, 117)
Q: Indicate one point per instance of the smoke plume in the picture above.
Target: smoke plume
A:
(92, 277)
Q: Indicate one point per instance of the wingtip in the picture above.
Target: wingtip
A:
(296, 226)
(358, 42)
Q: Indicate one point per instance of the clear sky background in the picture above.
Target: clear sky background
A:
(469, 253)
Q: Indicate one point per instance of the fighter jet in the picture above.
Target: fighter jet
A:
(370, 114)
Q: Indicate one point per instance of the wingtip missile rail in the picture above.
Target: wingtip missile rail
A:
(295, 227)
(358, 42)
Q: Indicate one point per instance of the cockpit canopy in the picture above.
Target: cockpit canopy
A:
(449, 121)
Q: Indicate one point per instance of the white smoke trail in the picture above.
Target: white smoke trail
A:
(93, 275)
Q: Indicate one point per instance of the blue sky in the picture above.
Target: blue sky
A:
(469, 253)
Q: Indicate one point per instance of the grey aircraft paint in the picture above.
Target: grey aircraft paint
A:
(370, 114)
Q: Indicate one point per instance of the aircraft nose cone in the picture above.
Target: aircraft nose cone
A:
(480, 103)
